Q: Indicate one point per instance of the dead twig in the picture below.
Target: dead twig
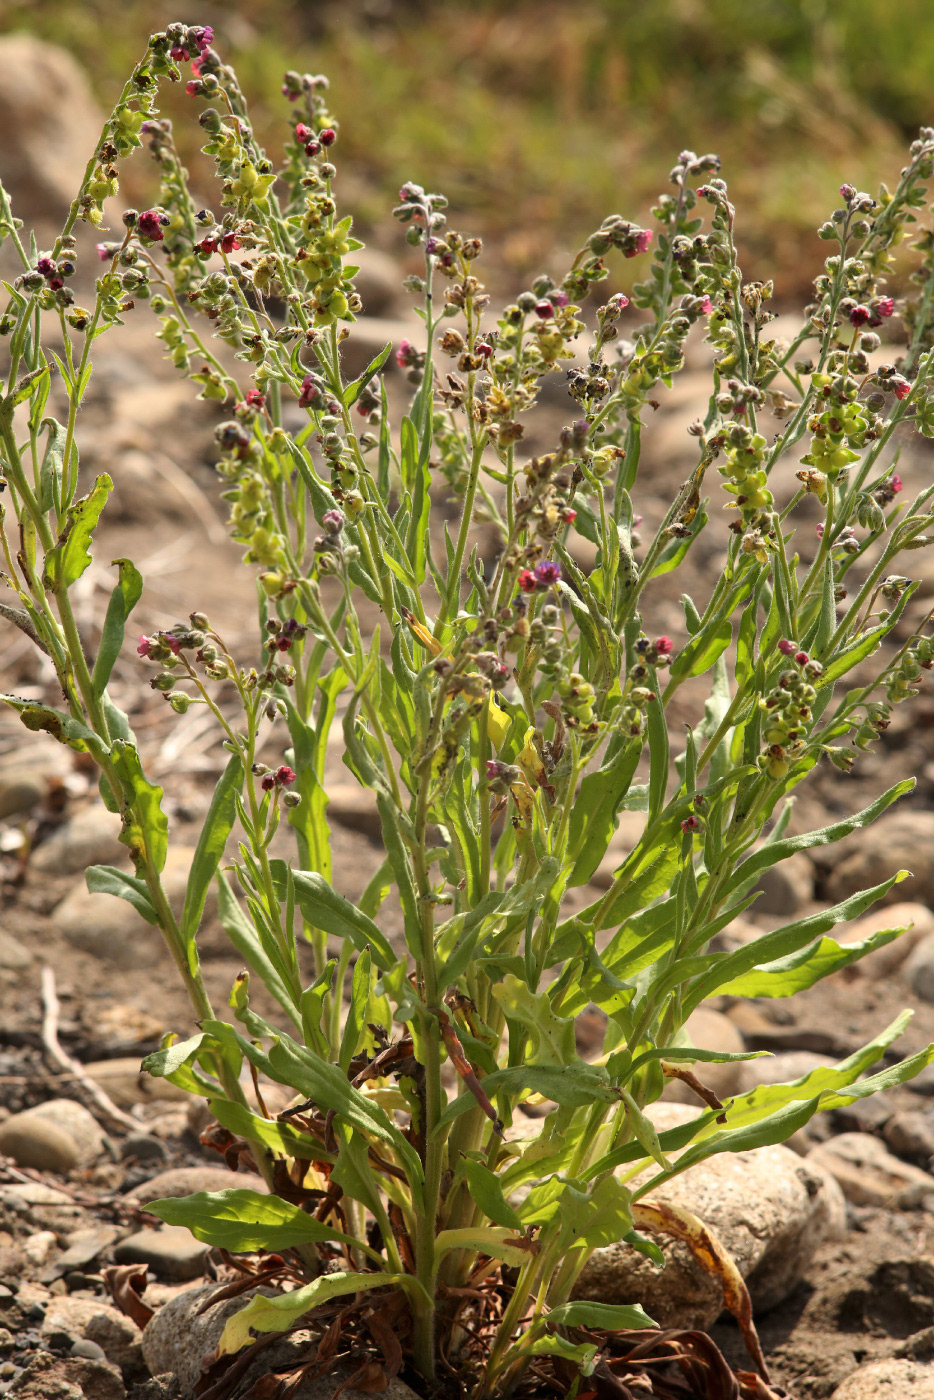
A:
(101, 1100)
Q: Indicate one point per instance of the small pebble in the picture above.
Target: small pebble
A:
(90, 1351)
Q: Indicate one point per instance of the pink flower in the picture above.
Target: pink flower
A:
(493, 767)
(847, 191)
(642, 241)
(268, 783)
(690, 824)
(559, 298)
(527, 581)
(303, 133)
(802, 658)
(544, 309)
(860, 315)
(310, 393)
(619, 300)
(105, 250)
(255, 399)
(786, 647)
(706, 307)
(820, 530)
(895, 484)
(568, 515)
(171, 642)
(202, 35)
(284, 776)
(229, 243)
(406, 354)
(47, 267)
(143, 646)
(193, 87)
(328, 136)
(664, 646)
(901, 387)
(884, 307)
(484, 349)
(206, 246)
(180, 53)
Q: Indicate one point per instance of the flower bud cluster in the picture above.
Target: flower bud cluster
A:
(786, 712)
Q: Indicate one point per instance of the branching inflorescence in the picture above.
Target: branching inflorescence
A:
(503, 713)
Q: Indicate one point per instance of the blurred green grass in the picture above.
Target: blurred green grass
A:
(538, 119)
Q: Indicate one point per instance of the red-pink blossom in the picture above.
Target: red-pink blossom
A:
(896, 484)
(786, 647)
(901, 387)
(664, 646)
(885, 306)
(527, 581)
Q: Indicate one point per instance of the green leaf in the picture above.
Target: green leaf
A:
(241, 1220)
(593, 815)
(61, 726)
(550, 1037)
(145, 825)
(574, 1086)
(68, 559)
(852, 655)
(356, 1011)
(356, 387)
(786, 976)
(324, 908)
(659, 756)
(162, 1063)
(699, 654)
(50, 473)
(277, 1314)
(106, 879)
(748, 872)
(487, 1193)
(609, 1317)
(485, 1239)
(280, 1137)
(211, 844)
(123, 600)
(248, 944)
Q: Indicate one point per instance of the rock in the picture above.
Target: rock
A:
(888, 1380)
(20, 791)
(41, 155)
(901, 839)
(379, 281)
(179, 1338)
(13, 956)
(911, 1136)
(143, 1147)
(779, 1069)
(864, 1115)
(98, 1322)
(885, 961)
(89, 838)
(109, 928)
(38, 1247)
(34, 1142)
(175, 880)
(74, 1119)
(84, 1246)
(770, 1210)
(121, 1023)
(355, 808)
(787, 887)
(710, 1030)
(869, 1175)
(32, 1193)
(172, 1252)
(185, 1181)
(918, 969)
(127, 1084)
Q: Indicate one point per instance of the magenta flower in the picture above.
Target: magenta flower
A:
(303, 133)
(179, 53)
(143, 646)
(885, 306)
(664, 646)
(901, 387)
(310, 393)
(820, 530)
(802, 658)
(202, 36)
(706, 306)
(333, 521)
(229, 243)
(559, 298)
(860, 315)
(690, 824)
(642, 240)
(268, 783)
(896, 484)
(171, 642)
(544, 309)
(106, 250)
(547, 572)
(786, 647)
(406, 354)
(284, 776)
(255, 399)
(328, 136)
(150, 224)
(527, 581)
(193, 87)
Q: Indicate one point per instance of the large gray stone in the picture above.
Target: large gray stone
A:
(56, 1136)
(172, 1252)
(918, 968)
(769, 1208)
(110, 929)
(50, 123)
(889, 1380)
(179, 1339)
(869, 1175)
(78, 1122)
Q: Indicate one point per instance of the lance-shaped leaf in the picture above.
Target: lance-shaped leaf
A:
(123, 600)
(324, 908)
(609, 1317)
(211, 843)
(106, 879)
(277, 1314)
(241, 1220)
(68, 559)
